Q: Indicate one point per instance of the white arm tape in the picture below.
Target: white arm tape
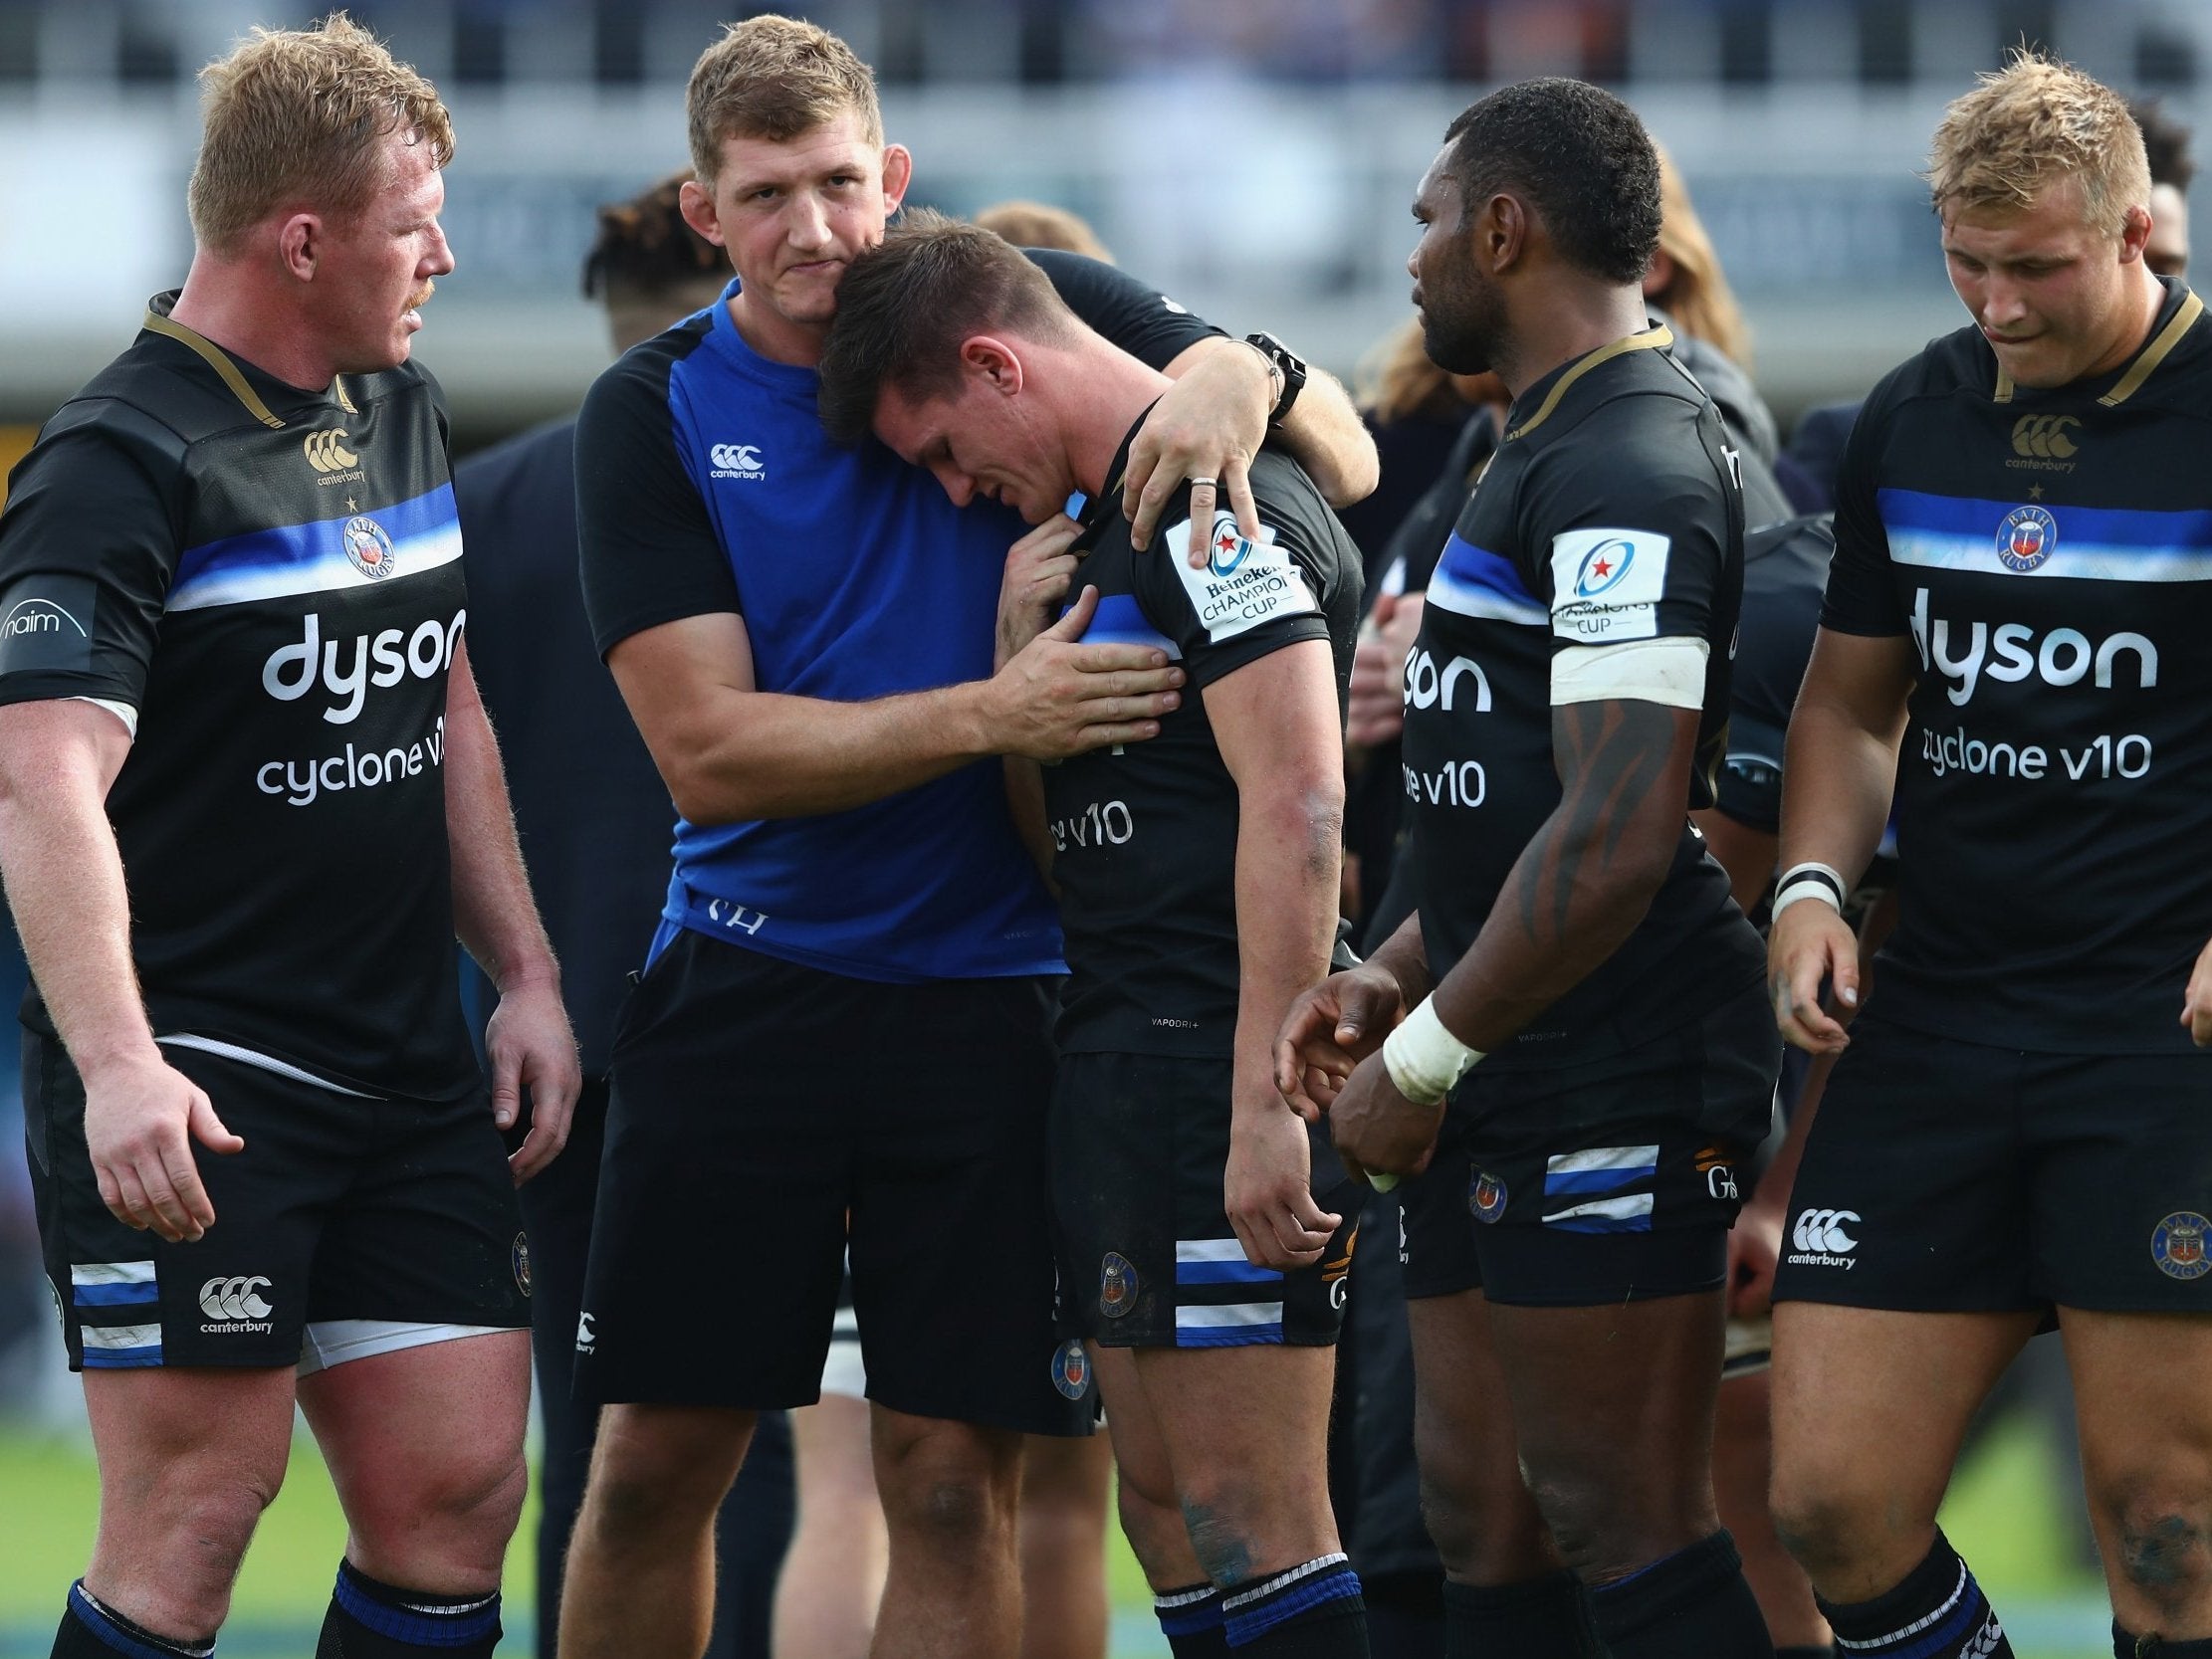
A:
(1424, 1059)
(1670, 672)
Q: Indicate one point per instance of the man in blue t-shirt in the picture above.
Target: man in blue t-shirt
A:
(842, 1025)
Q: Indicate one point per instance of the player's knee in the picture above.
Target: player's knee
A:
(647, 1484)
(219, 1519)
(1151, 1521)
(2162, 1537)
(950, 1482)
(1825, 1525)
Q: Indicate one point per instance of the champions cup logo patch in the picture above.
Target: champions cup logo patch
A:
(1486, 1196)
(1604, 567)
(2028, 537)
(1606, 584)
(1071, 1371)
(2177, 1245)
(367, 548)
(1117, 1285)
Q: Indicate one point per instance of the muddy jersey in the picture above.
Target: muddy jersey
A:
(2049, 556)
(268, 582)
(1611, 514)
(1144, 836)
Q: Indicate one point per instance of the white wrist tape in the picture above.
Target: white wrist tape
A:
(1810, 880)
(1425, 1060)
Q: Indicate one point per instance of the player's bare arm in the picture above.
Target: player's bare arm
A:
(1836, 776)
(528, 1039)
(1275, 720)
(1207, 427)
(65, 881)
(730, 752)
(1574, 895)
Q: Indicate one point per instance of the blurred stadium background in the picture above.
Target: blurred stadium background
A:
(1253, 157)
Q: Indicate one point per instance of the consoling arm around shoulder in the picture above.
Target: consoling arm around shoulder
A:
(730, 752)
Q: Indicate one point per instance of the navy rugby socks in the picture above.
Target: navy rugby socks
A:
(369, 1621)
(1191, 1619)
(92, 1630)
(1938, 1612)
(1309, 1612)
(1693, 1604)
(1541, 1619)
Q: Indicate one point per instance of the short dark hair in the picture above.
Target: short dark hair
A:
(2166, 142)
(1578, 156)
(905, 306)
(646, 247)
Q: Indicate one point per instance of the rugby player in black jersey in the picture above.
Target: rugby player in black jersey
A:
(2013, 638)
(248, 796)
(1577, 979)
(1203, 1240)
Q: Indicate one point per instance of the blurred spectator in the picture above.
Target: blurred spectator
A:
(1038, 225)
(594, 821)
(2166, 143)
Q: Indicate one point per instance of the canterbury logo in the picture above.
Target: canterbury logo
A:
(2045, 437)
(1823, 1231)
(736, 457)
(327, 451)
(233, 1298)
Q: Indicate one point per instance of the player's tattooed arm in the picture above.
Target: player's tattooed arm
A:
(1588, 874)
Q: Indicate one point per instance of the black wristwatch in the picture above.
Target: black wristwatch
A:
(1287, 364)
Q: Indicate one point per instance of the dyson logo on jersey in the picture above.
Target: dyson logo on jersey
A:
(1427, 689)
(293, 671)
(2012, 651)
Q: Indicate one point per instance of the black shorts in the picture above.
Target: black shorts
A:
(1636, 1206)
(348, 1224)
(1945, 1176)
(757, 1105)
(1147, 1259)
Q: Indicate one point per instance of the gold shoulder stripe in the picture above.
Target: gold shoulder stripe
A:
(1646, 341)
(338, 389)
(2155, 352)
(221, 364)
(2003, 394)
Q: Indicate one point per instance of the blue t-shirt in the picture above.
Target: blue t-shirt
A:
(706, 484)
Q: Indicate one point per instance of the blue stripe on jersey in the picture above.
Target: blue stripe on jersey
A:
(1591, 1218)
(115, 1296)
(417, 535)
(1119, 620)
(1472, 581)
(1224, 1273)
(2096, 543)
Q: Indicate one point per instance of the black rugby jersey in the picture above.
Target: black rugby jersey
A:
(1145, 836)
(271, 578)
(1610, 514)
(2049, 555)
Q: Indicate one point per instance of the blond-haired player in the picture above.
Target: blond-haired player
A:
(2017, 1127)
(248, 796)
